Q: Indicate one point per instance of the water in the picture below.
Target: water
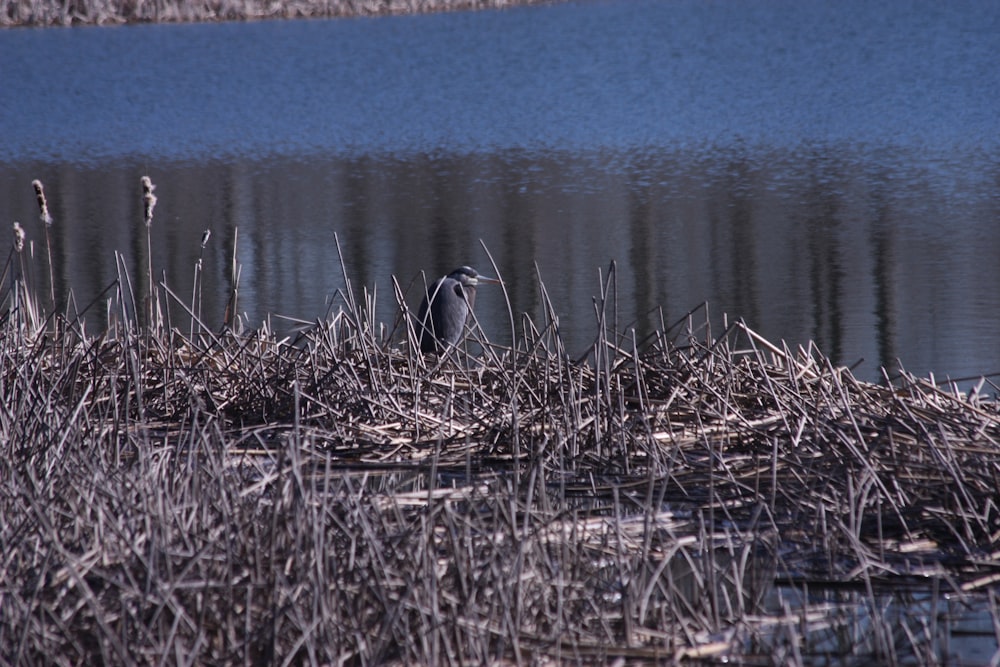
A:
(827, 171)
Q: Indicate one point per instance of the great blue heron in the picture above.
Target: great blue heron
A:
(446, 307)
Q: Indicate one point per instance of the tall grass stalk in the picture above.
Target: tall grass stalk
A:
(196, 287)
(24, 311)
(231, 319)
(46, 219)
(152, 309)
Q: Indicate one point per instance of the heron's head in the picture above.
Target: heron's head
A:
(468, 276)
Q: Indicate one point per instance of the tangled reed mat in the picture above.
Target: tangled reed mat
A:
(173, 496)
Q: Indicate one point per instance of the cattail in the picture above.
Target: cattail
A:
(148, 200)
(18, 237)
(43, 214)
(43, 207)
(207, 234)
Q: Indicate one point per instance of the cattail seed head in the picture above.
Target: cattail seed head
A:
(43, 207)
(148, 200)
(18, 237)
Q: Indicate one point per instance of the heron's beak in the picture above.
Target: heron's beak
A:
(487, 279)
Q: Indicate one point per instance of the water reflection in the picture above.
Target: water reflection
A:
(846, 625)
(827, 244)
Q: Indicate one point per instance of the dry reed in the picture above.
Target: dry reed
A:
(75, 12)
(217, 498)
(46, 219)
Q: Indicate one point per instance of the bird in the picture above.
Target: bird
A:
(446, 307)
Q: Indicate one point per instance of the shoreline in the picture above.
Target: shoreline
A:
(49, 13)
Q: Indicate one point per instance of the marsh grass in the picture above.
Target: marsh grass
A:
(219, 497)
(75, 12)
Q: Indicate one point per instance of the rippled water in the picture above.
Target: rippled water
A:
(828, 171)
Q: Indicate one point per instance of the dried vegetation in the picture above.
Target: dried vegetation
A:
(200, 497)
(77, 12)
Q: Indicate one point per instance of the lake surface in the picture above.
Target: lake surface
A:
(826, 171)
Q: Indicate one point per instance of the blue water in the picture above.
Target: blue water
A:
(828, 171)
(622, 75)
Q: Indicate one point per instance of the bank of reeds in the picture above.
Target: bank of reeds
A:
(101, 12)
(188, 494)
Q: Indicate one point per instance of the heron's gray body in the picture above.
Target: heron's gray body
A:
(445, 310)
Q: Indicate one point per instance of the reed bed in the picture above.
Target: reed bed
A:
(218, 496)
(103, 12)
